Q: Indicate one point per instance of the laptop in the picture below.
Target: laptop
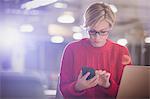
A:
(135, 83)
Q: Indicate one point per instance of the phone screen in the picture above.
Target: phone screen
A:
(88, 69)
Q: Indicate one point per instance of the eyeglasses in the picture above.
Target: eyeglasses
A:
(94, 32)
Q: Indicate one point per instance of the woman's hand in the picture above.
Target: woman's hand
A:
(82, 83)
(103, 79)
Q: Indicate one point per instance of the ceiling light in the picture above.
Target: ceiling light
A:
(57, 39)
(77, 36)
(60, 5)
(147, 40)
(26, 28)
(122, 42)
(36, 3)
(66, 18)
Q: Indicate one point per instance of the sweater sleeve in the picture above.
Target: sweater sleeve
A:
(126, 60)
(67, 82)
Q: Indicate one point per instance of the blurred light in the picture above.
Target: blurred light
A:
(66, 18)
(55, 29)
(26, 28)
(76, 29)
(9, 40)
(36, 3)
(10, 37)
(50, 92)
(122, 42)
(147, 40)
(24, 12)
(77, 36)
(114, 8)
(60, 5)
(57, 39)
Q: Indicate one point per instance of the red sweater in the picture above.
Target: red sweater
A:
(82, 53)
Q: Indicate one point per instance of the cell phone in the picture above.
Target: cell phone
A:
(88, 69)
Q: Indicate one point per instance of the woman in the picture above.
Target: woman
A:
(98, 52)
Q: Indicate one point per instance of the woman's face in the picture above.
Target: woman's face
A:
(99, 32)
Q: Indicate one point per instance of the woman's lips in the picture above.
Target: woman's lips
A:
(96, 41)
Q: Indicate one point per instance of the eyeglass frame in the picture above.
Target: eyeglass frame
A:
(100, 32)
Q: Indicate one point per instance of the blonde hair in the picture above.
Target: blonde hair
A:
(98, 11)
